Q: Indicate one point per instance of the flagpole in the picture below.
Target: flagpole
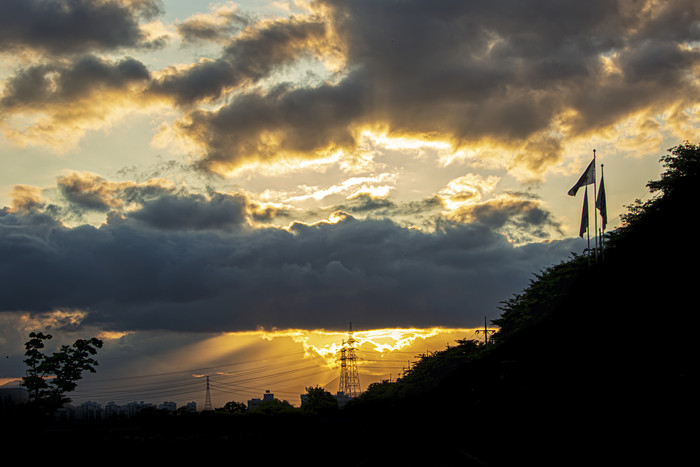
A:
(587, 178)
(595, 216)
(588, 225)
(602, 230)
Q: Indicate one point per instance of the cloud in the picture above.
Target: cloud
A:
(255, 53)
(465, 190)
(26, 198)
(523, 220)
(220, 25)
(219, 211)
(76, 26)
(510, 82)
(42, 85)
(523, 79)
(86, 191)
(267, 127)
(194, 263)
(62, 100)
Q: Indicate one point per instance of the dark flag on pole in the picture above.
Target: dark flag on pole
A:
(584, 216)
(587, 178)
(600, 202)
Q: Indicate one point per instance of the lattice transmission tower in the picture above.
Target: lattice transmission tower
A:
(207, 398)
(349, 375)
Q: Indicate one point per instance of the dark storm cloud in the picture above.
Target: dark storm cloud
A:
(194, 212)
(218, 26)
(86, 191)
(156, 203)
(74, 26)
(247, 58)
(522, 219)
(365, 203)
(423, 212)
(65, 84)
(132, 275)
(264, 126)
(517, 214)
(467, 71)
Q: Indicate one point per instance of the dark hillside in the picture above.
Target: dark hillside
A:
(593, 362)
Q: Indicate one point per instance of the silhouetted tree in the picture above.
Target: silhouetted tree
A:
(676, 192)
(233, 407)
(50, 377)
(185, 411)
(319, 401)
(273, 407)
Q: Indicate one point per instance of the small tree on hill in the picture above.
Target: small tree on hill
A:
(233, 407)
(676, 190)
(319, 401)
(50, 377)
(273, 407)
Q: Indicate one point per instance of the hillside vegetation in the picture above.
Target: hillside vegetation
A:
(592, 361)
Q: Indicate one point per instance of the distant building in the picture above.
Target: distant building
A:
(133, 408)
(168, 406)
(340, 396)
(89, 411)
(192, 406)
(10, 396)
(112, 409)
(253, 403)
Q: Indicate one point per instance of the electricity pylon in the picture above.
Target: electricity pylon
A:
(207, 398)
(349, 375)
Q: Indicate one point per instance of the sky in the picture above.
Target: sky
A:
(223, 188)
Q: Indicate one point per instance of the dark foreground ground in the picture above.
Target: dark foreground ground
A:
(535, 435)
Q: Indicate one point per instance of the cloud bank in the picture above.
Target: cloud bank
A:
(76, 26)
(188, 262)
(524, 77)
(510, 84)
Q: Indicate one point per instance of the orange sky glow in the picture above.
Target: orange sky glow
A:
(244, 365)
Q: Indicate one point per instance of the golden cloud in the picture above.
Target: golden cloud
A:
(26, 198)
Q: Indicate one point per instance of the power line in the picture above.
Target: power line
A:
(189, 386)
(203, 369)
(243, 379)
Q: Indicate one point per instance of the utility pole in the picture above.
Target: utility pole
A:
(486, 332)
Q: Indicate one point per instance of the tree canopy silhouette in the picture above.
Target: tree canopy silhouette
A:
(319, 401)
(50, 377)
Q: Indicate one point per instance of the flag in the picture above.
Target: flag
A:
(584, 216)
(600, 202)
(587, 178)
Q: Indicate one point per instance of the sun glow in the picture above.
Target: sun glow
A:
(375, 343)
(412, 142)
